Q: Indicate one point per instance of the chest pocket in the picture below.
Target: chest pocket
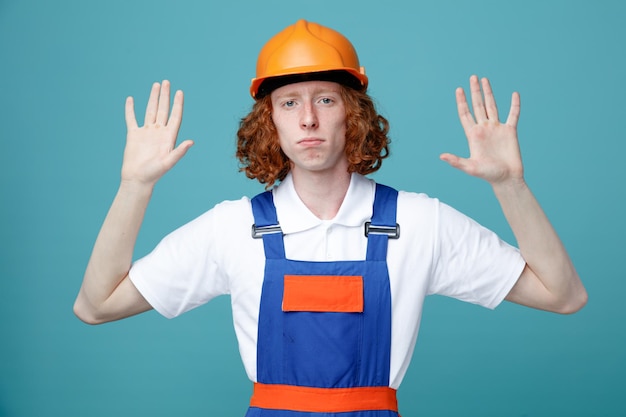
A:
(323, 293)
(322, 329)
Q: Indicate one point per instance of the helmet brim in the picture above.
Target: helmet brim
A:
(348, 77)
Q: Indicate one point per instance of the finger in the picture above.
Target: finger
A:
(453, 160)
(516, 108)
(177, 111)
(129, 114)
(465, 116)
(177, 153)
(477, 100)
(163, 109)
(462, 164)
(490, 101)
(153, 103)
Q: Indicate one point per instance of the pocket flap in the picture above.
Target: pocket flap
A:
(323, 293)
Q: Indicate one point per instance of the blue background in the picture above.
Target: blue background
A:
(65, 70)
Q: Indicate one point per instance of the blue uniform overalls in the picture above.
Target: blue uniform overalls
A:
(325, 327)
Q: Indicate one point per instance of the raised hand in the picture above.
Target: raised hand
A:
(494, 148)
(151, 149)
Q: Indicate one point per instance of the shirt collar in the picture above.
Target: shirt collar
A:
(294, 216)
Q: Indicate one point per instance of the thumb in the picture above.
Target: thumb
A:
(452, 159)
(462, 164)
(177, 153)
(466, 165)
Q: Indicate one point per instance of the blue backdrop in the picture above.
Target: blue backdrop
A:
(66, 68)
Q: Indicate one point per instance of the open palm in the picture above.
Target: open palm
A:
(494, 148)
(151, 149)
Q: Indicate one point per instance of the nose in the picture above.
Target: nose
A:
(309, 117)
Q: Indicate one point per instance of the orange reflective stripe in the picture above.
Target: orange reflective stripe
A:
(330, 293)
(323, 400)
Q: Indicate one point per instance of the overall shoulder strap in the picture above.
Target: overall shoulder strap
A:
(383, 225)
(266, 225)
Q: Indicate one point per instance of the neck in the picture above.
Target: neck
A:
(322, 194)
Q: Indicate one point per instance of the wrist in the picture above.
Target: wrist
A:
(134, 187)
(511, 185)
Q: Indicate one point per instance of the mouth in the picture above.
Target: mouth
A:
(310, 141)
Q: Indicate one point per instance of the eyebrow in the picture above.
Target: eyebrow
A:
(318, 91)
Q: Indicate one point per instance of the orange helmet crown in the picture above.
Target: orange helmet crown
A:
(307, 48)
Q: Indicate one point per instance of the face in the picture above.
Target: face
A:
(310, 119)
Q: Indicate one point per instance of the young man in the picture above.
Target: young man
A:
(327, 271)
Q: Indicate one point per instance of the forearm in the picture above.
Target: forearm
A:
(112, 253)
(541, 248)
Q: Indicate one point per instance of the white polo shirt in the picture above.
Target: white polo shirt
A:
(440, 251)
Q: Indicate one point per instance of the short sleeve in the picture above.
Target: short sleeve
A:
(184, 270)
(472, 264)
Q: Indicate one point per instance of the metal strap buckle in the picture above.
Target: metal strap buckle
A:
(259, 231)
(391, 231)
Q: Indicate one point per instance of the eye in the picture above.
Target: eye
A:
(289, 103)
(326, 100)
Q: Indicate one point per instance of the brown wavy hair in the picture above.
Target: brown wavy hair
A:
(261, 157)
